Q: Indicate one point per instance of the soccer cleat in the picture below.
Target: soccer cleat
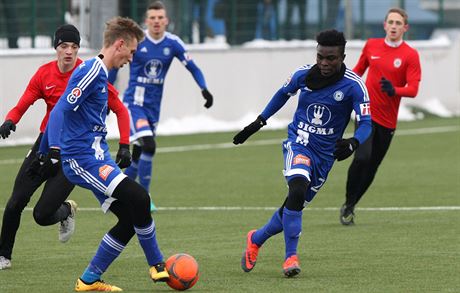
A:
(248, 261)
(347, 215)
(291, 266)
(67, 226)
(4, 263)
(158, 273)
(153, 208)
(99, 286)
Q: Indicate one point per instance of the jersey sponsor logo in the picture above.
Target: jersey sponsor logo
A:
(318, 114)
(301, 160)
(105, 171)
(365, 109)
(48, 87)
(141, 123)
(375, 57)
(74, 95)
(397, 63)
(153, 68)
(166, 51)
(338, 96)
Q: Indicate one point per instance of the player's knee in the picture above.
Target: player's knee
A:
(297, 189)
(39, 217)
(137, 150)
(128, 191)
(149, 145)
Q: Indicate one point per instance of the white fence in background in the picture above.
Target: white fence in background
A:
(242, 81)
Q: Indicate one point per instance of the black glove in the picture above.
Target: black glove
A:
(387, 87)
(123, 158)
(51, 163)
(208, 97)
(6, 128)
(345, 147)
(249, 130)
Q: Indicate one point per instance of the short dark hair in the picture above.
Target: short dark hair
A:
(331, 38)
(157, 5)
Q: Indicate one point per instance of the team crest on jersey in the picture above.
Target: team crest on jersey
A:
(318, 114)
(105, 171)
(153, 68)
(301, 160)
(74, 95)
(397, 63)
(166, 51)
(338, 96)
(365, 109)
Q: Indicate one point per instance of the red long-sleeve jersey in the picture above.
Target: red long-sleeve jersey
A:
(400, 65)
(48, 83)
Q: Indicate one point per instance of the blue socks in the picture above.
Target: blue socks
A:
(147, 239)
(292, 227)
(109, 249)
(145, 170)
(273, 227)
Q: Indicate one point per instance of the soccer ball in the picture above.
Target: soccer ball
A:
(183, 271)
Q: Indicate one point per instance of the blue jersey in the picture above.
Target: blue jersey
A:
(77, 122)
(322, 115)
(149, 67)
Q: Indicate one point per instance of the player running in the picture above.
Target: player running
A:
(329, 92)
(48, 83)
(143, 96)
(394, 72)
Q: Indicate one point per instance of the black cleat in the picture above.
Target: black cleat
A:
(347, 215)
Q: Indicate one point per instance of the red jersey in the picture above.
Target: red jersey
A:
(49, 83)
(400, 65)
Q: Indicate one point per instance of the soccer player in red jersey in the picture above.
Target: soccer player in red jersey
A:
(48, 83)
(393, 72)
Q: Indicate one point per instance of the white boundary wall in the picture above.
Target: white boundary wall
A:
(242, 81)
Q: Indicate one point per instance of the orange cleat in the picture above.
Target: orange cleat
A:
(248, 261)
(291, 266)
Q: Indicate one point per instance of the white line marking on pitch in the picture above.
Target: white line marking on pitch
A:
(223, 208)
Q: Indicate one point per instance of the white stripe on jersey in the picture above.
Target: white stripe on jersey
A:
(353, 76)
(88, 177)
(112, 243)
(289, 155)
(90, 75)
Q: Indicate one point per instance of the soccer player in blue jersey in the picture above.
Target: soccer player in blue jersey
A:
(76, 137)
(143, 96)
(329, 92)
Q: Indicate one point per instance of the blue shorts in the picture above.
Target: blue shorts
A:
(299, 161)
(99, 176)
(143, 122)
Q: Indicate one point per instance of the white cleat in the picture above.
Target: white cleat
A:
(67, 227)
(4, 263)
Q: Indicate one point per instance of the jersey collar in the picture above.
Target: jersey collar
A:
(394, 44)
(152, 39)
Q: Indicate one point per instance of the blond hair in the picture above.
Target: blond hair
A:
(400, 11)
(122, 28)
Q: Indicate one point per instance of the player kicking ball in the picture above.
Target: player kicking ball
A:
(76, 137)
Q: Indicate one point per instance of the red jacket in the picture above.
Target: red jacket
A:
(48, 83)
(400, 65)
